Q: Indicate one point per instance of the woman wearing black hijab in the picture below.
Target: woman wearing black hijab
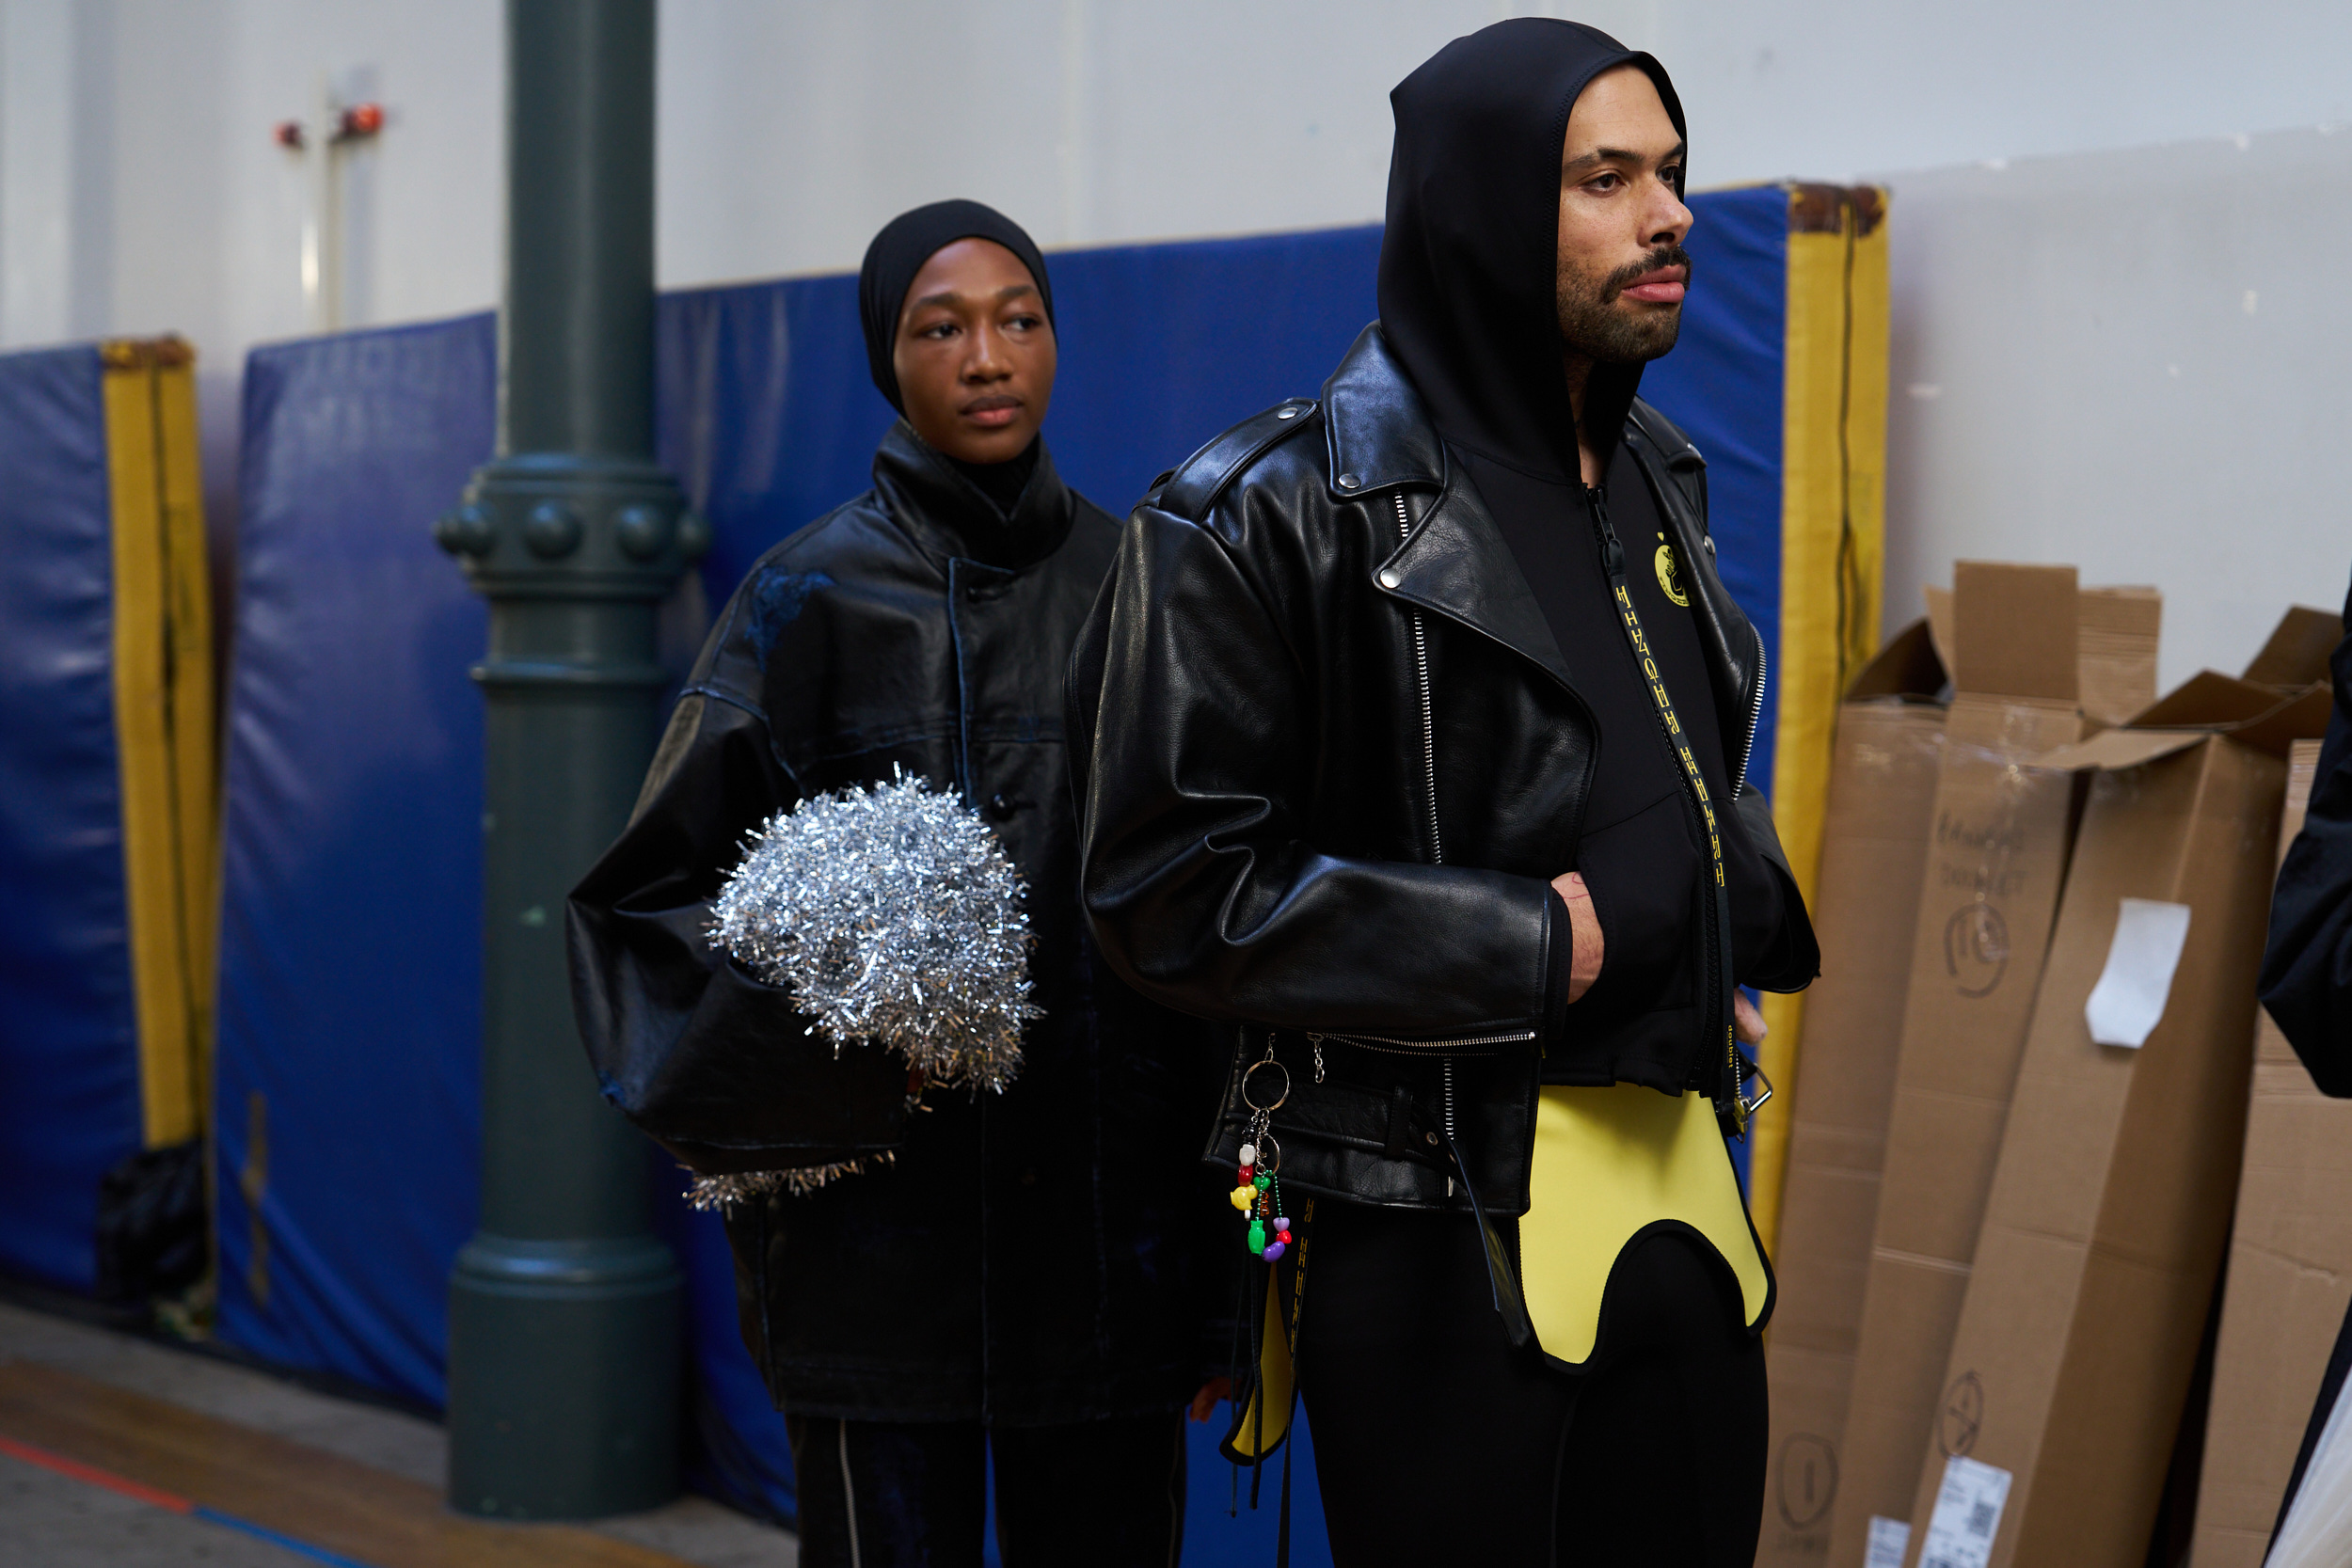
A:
(1012, 1275)
(1416, 728)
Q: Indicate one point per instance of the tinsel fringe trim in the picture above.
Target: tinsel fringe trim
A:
(723, 1192)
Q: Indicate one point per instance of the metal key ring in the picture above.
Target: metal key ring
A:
(1269, 1154)
(1251, 1072)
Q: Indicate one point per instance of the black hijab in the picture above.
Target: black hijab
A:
(1469, 265)
(898, 252)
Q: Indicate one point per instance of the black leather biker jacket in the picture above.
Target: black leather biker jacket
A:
(1328, 758)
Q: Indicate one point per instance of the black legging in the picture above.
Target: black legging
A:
(1437, 1443)
(914, 1495)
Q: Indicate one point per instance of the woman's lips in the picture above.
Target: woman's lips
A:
(1663, 287)
(993, 412)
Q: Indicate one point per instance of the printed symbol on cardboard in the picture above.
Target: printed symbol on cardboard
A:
(1670, 574)
(1975, 948)
(1963, 1415)
(1808, 1479)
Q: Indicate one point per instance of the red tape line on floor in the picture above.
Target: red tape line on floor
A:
(92, 1475)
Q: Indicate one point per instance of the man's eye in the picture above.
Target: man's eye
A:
(939, 329)
(1603, 183)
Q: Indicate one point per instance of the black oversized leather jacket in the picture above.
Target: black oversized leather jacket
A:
(1329, 758)
(1034, 1256)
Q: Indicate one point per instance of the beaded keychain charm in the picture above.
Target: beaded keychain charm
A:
(1259, 1194)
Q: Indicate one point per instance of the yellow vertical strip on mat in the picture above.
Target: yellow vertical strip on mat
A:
(151, 865)
(1868, 313)
(1817, 557)
(196, 764)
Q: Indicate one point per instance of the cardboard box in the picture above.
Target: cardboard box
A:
(1874, 844)
(1999, 837)
(2103, 1227)
(2290, 1278)
(2117, 657)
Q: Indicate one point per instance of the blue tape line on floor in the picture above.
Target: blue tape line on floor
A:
(316, 1554)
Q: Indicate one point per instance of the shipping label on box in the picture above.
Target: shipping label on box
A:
(1967, 1515)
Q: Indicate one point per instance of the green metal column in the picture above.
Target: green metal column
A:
(565, 1352)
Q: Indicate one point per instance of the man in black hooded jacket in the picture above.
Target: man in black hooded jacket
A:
(1011, 1277)
(1412, 737)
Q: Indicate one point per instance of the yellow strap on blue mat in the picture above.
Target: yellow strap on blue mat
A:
(162, 649)
(1832, 546)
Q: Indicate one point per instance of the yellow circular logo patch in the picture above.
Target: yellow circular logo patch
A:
(1669, 578)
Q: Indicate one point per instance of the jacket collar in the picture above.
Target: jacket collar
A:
(1378, 433)
(1455, 560)
(949, 519)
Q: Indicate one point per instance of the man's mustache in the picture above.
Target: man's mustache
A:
(1664, 256)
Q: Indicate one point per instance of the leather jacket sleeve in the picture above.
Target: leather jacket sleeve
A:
(1194, 718)
(695, 1050)
(2307, 971)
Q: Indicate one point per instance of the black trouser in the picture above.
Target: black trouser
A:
(1437, 1443)
(914, 1495)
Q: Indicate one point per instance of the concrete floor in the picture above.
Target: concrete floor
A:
(51, 1521)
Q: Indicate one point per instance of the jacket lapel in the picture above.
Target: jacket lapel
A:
(1457, 565)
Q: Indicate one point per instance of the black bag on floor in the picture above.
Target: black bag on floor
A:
(151, 1223)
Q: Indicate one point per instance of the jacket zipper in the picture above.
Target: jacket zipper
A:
(1755, 716)
(1429, 776)
(1416, 1048)
(1732, 1102)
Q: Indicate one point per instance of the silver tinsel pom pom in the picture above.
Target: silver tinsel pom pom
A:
(894, 918)
(723, 1192)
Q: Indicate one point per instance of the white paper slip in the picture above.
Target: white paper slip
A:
(1888, 1539)
(1967, 1515)
(2128, 1001)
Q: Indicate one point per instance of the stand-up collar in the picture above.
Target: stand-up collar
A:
(951, 520)
(1379, 433)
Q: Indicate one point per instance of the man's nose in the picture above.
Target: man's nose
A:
(1669, 219)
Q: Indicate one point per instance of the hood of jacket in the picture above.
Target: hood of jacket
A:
(1468, 263)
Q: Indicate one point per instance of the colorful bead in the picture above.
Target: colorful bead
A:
(1248, 1173)
(1273, 1251)
(1282, 1222)
(1250, 1154)
(1257, 1237)
(1262, 1181)
(1244, 1198)
(1282, 1233)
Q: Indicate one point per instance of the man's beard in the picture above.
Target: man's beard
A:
(1590, 325)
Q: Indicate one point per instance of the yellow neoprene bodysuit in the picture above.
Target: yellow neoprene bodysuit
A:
(1608, 1163)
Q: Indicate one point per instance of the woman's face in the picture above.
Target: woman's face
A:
(975, 356)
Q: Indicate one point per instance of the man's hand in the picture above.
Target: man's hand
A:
(1204, 1404)
(1746, 1022)
(1584, 930)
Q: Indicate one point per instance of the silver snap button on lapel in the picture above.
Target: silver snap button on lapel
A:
(1286, 413)
(1391, 577)
(1349, 482)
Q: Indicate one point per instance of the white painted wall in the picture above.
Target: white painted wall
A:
(2136, 362)
(792, 130)
(140, 192)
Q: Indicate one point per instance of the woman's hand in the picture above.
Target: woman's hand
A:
(1204, 1404)
(1746, 1022)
